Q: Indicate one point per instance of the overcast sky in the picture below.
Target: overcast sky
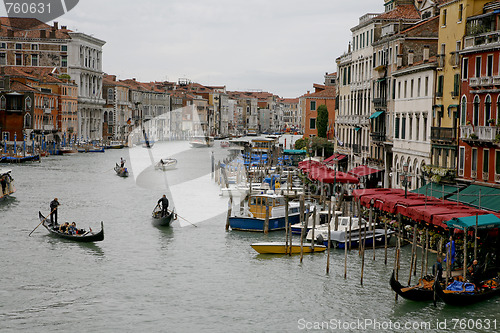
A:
(280, 46)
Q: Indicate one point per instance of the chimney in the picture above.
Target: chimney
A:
(43, 34)
(52, 33)
(64, 27)
(410, 57)
(426, 53)
(56, 25)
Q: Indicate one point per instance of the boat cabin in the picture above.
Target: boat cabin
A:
(263, 145)
(257, 205)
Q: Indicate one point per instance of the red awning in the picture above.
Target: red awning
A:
(363, 170)
(329, 176)
(330, 159)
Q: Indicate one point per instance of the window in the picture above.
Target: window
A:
(475, 115)
(406, 87)
(34, 60)
(64, 61)
(487, 110)
(443, 23)
(399, 89)
(27, 103)
(461, 162)
(313, 105)
(19, 59)
(439, 92)
(426, 86)
(394, 89)
(3, 103)
(419, 86)
(312, 123)
(456, 84)
(489, 65)
(34, 47)
(474, 159)
(396, 128)
(486, 160)
(478, 67)
(27, 120)
(465, 68)
(403, 128)
(19, 46)
(497, 162)
(460, 12)
(64, 48)
(411, 88)
(3, 59)
(3, 45)
(463, 111)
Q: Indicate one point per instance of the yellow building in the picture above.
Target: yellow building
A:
(452, 29)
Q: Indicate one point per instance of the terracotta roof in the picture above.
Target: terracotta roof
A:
(290, 100)
(329, 92)
(44, 74)
(29, 28)
(18, 86)
(400, 12)
(421, 24)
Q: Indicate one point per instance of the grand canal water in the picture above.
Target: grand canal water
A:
(180, 278)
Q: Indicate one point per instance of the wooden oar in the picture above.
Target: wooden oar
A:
(42, 222)
(194, 225)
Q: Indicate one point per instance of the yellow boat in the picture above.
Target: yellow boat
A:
(280, 247)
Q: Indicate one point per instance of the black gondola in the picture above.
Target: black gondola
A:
(463, 298)
(163, 221)
(122, 172)
(87, 237)
(422, 292)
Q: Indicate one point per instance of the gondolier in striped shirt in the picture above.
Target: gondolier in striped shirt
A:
(164, 205)
(53, 211)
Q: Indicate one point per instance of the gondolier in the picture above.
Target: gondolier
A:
(122, 162)
(164, 205)
(53, 211)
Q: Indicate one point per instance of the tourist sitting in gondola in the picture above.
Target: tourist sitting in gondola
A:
(72, 229)
(474, 273)
(64, 228)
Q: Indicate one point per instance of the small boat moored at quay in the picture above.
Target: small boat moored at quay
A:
(201, 141)
(166, 164)
(421, 292)
(86, 236)
(463, 294)
(7, 183)
(253, 216)
(68, 151)
(122, 172)
(282, 247)
(115, 145)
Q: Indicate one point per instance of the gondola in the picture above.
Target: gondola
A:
(122, 172)
(87, 237)
(422, 292)
(163, 221)
(488, 289)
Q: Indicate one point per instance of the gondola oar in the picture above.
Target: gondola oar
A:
(42, 221)
(194, 225)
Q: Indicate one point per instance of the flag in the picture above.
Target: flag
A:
(129, 121)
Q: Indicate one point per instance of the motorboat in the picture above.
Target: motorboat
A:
(166, 164)
(201, 141)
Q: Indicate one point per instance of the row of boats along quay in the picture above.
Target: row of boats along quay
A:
(289, 205)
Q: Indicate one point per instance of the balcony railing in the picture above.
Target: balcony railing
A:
(440, 58)
(47, 110)
(48, 127)
(486, 80)
(480, 133)
(443, 134)
(474, 82)
(380, 102)
(378, 136)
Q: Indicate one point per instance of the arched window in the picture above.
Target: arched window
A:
(27, 103)
(463, 111)
(27, 120)
(487, 110)
(475, 115)
(3, 103)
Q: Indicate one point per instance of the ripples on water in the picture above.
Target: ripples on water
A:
(175, 279)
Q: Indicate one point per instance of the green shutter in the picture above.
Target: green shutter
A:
(456, 85)
(396, 130)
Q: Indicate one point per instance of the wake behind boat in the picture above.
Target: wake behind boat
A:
(86, 236)
(201, 141)
(166, 164)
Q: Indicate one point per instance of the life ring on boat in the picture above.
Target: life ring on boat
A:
(277, 184)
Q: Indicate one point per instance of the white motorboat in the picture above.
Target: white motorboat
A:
(166, 164)
(343, 227)
(201, 141)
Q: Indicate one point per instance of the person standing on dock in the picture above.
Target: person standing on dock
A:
(164, 205)
(53, 211)
(451, 246)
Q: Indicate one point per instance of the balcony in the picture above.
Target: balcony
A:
(496, 80)
(47, 111)
(486, 80)
(481, 39)
(48, 127)
(440, 58)
(380, 102)
(378, 136)
(479, 133)
(447, 134)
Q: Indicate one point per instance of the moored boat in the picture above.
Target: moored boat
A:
(166, 164)
(115, 145)
(253, 216)
(468, 293)
(68, 151)
(86, 236)
(421, 292)
(163, 221)
(122, 172)
(201, 141)
(282, 247)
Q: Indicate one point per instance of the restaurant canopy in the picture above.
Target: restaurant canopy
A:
(483, 221)
(437, 190)
(330, 160)
(330, 176)
(362, 171)
(479, 196)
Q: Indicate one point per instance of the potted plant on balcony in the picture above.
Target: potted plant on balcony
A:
(473, 136)
(468, 123)
(491, 122)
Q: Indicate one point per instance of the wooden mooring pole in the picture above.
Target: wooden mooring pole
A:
(329, 237)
